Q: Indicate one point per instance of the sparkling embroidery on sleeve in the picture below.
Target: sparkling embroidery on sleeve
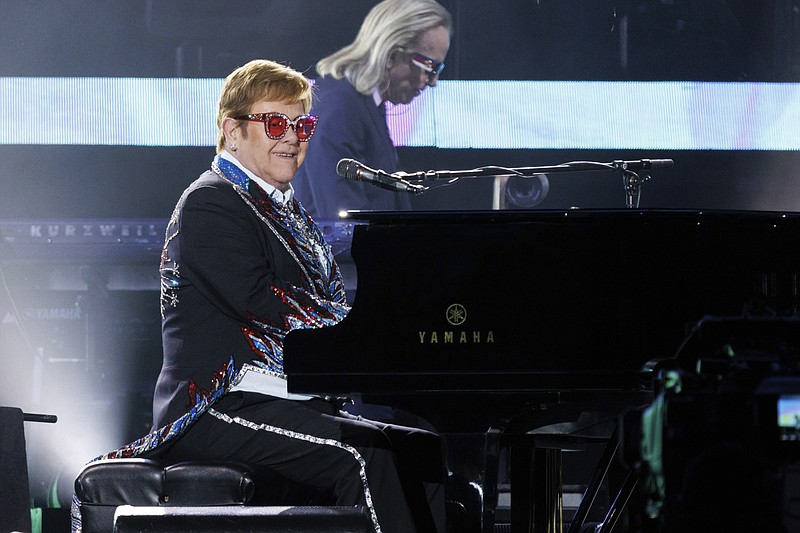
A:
(169, 270)
(266, 339)
(267, 348)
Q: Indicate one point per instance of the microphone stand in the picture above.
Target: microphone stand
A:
(631, 180)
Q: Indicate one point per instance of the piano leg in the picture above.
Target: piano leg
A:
(491, 478)
(537, 481)
(536, 499)
(472, 463)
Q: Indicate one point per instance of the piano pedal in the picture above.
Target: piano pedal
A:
(502, 513)
(570, 501)
(571, 498)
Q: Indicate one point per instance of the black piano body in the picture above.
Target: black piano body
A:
(472, 320)
(539, 300)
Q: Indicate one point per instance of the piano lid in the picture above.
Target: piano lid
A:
(532, 298)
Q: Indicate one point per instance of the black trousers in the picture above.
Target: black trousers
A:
(396, 472)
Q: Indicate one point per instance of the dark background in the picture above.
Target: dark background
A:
(93, 361)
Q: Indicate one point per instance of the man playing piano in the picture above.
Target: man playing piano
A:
(242, 265)
(398, 53)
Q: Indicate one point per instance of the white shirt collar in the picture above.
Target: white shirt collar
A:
(376, 97)
(281, 197)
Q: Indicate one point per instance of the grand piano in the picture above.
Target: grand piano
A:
(476, 320)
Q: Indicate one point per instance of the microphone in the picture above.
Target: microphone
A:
(353, 170)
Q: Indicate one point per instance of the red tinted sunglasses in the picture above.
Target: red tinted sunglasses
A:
(276, 124)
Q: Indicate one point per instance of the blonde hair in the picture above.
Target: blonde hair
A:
(392, 25)
(259, 79)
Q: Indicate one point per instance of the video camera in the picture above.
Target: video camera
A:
(714, 450)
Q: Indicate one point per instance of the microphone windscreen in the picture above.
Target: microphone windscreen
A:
(347, 168)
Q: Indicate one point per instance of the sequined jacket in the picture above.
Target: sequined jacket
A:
(238, 271)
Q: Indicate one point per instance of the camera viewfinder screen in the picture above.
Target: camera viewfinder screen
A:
(789, 417)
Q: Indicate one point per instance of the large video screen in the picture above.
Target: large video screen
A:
(457, 114)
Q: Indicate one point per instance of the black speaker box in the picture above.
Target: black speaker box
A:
(14, 490)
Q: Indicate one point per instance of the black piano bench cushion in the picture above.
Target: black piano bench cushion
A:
(233, 519)
(102, 486)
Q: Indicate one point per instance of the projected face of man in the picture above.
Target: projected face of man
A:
(407, 80)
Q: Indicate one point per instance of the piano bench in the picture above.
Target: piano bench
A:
(103, 486)
(232, 519)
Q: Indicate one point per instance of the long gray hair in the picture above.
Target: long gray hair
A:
(392, 25)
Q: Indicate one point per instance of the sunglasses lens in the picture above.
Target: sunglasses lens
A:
(427, 64)
(276, 126)
(305, 127)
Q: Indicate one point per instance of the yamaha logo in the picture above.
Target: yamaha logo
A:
(456, 315)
